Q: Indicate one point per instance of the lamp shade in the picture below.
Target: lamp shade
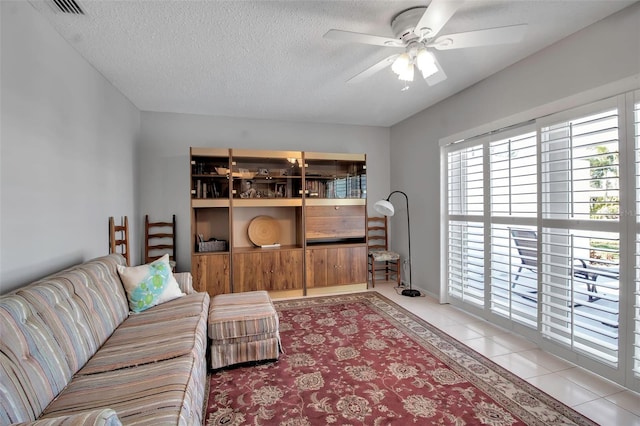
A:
(407, 74)
(400, 64)
(426, 63)
(384, 207)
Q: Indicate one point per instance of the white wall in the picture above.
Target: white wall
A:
(604, 53)
(164, 157)
(67, 153)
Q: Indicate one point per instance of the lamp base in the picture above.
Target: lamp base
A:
(410, 293)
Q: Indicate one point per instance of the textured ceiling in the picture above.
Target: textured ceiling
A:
(268, 59)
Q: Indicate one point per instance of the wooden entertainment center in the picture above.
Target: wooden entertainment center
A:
(289, 222)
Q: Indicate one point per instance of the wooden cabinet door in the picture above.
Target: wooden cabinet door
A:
(328, 267)
(283, 269)
(211, 273)
(248, 272)
(335, 222)
(316, 268)
(335, 266)
(355, 268)
(346, 265)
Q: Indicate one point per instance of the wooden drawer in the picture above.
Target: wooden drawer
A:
(335, 222)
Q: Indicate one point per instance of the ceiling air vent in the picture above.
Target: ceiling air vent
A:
(68, 6)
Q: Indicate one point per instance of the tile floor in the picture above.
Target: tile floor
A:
(599, 399)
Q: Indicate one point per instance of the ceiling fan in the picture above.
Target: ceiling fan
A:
(416, 31)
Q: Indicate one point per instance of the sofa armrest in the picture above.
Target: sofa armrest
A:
(185, 281)
(101, 417)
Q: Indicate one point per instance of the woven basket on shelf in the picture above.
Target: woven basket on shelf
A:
(216, 245)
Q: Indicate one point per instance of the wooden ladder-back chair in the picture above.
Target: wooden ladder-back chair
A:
(380, 259)
(119, 238)
(159, 238)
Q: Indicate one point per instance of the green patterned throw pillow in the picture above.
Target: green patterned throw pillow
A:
(149, 285)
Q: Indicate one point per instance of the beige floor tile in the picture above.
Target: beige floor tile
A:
(484, 328)
(626, 399)
(563, 389)
(459, 316)
(487, 347)
(607, 413)
(460, 332)
(596, 384)
(513, 342)
(520, 365)
(439, 320)
(546, 360)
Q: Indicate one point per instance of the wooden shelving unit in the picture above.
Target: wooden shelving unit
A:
(318, 201)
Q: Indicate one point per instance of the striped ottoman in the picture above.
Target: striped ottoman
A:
(243, 327)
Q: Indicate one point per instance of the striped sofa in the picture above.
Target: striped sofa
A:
(71, 354)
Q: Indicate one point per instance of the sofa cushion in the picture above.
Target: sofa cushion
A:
(136, 342)
(194, 304)
(238, 315)
(72, 314)
(161, 393)
(185, 281)
(149, 285)
(33, 367)
(244, 298)
(101, 277)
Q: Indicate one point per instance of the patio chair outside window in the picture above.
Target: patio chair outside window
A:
(526, 242)
(527, 245)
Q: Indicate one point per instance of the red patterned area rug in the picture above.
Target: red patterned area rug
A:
(360, 359)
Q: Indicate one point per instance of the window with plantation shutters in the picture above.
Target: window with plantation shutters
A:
(580, 232)
(542, 232)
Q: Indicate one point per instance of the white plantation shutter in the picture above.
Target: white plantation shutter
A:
(514, 176)
(465, 241)
(466, 261)
(581, 167)
(465, 182)
(514, 273)
(636, 299)
(580, 239)
(576, 310)
(513, 195)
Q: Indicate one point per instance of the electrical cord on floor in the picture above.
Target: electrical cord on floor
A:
(402, 285)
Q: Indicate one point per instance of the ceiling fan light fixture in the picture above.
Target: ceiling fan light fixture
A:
(401, 63)
(407, 74)
(426, 63)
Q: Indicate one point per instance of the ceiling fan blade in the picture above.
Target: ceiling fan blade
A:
(372, 69)
(352, 37)
(435, 17)
(490, 36)
(438, 77)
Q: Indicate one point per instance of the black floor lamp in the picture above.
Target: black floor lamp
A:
(386, 208)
